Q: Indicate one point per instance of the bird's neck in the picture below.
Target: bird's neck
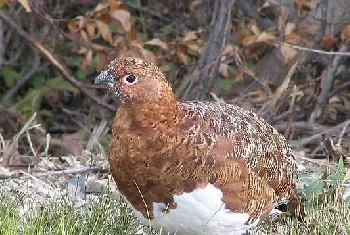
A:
(153, 113)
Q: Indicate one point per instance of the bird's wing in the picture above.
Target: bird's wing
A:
(251, 139)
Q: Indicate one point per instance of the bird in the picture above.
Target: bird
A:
(193, 167)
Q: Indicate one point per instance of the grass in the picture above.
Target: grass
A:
(327, 214)
(65, 216)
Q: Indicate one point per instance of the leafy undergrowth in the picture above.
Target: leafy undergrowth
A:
(323, 218)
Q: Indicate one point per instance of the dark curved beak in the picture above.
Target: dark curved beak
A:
(104, 78)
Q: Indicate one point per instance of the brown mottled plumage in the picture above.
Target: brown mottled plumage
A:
(174, 157)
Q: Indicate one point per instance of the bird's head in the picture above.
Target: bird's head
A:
(134, 80)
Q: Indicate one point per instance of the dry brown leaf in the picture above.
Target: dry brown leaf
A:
(133, 33)
(101, 60)
(88, 60)
(101, 6)
(26, 5)
(104, 31)
(290, 28)
(223, 70)
(288, 53)
(91, 29)
(190, 36)
(254, 28)
(76, 24)
(84, 37)
(303, 5)
(144, 53)
(345, 33)
(135, 49)
(247, 40)
(265, 36)
(158, 42)
(183, 58)
(194, 48)
(193, 6)
(114, 5)
(329, 41)
(293, 39)
(124, 17)
(83, 51)
(227, 51)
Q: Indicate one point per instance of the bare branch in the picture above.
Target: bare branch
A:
(67, 75)
(326, 85)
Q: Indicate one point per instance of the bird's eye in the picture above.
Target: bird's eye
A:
(130, 79)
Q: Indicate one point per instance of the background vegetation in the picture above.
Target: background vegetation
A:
(286, 60)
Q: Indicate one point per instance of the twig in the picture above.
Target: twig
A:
(40, 11)
(338, 89)
(281, 116)
(146, 10)
(220, 28)
(322, 30)
(2, 43)
(35, 68)
(308, 140)
(47, 146)
(60, 66)
(314, 161)
(207, 75)
(11, 150)
(340, 137)
(290, 130)
(75, 170)
(302, 126)
(283, 86)
(250, 11)
(326, 85)
(330, 53)
(260, 82)
(96, 134)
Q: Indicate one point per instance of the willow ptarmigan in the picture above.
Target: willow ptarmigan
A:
(193, 167)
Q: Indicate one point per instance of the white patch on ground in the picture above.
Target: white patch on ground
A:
(199, 212)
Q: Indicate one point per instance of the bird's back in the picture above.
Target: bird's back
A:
(262, 148)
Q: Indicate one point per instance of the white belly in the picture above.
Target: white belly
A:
(199, 212)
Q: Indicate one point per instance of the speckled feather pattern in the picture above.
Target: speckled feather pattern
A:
(162, 152)
(262, 148)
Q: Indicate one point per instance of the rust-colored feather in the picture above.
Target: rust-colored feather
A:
(161, 147)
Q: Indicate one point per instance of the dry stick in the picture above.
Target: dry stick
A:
(207, 69)
(148, 11)
(322, 31)
(220, 28)
(36, 68)
(61, 67)
(302, 126)
(326, 85)
(340, 88)
(75, 170)
(340, 137)
(250, 11)
(308, 140)
(43, 14)
(270, 105)
(300, 48)
(289, 130)
(2, 43)
(10, 152)
(283, 86)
